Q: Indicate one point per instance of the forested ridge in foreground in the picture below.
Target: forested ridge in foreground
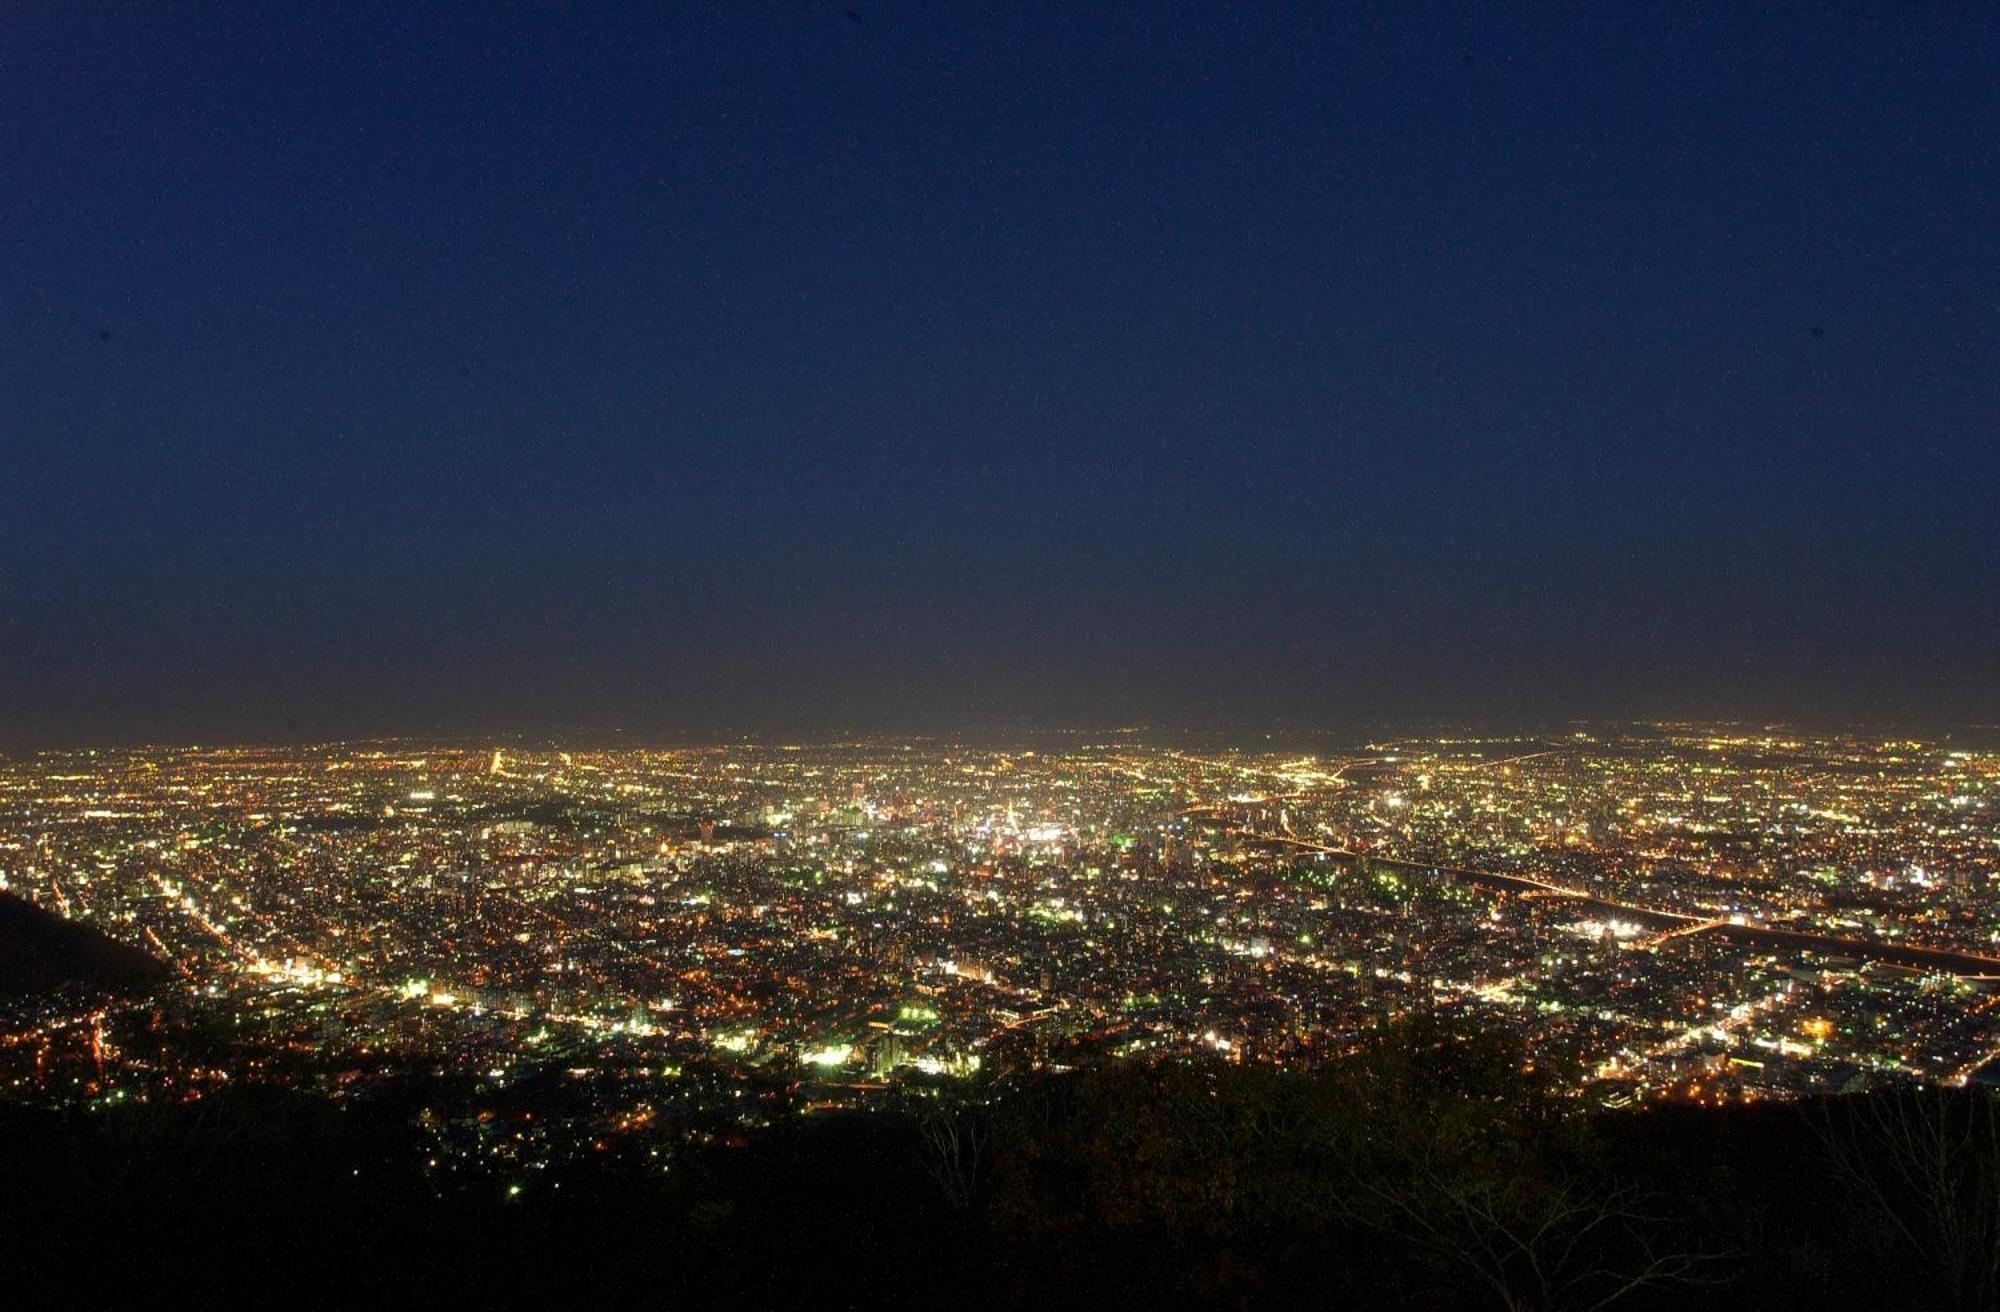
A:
(1428, 1171)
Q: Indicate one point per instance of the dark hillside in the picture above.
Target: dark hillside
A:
(41, 952)
(1427, 1173)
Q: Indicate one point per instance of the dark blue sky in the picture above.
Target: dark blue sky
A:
(394, 367)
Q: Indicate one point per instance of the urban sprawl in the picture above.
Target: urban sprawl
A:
(561, 956)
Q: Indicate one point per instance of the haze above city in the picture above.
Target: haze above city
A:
(677, 373)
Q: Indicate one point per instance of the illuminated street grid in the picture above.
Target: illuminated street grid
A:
(666, 944)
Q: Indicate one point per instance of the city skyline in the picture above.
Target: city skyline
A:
(537, 995)
(1655, 908)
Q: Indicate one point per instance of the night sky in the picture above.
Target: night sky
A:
(680, 372)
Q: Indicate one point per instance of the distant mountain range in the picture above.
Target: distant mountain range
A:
(41, 952)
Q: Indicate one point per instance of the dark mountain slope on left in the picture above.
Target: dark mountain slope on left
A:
(41, 952)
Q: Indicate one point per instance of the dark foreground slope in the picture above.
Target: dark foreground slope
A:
(41, 952)
(1428, 1175)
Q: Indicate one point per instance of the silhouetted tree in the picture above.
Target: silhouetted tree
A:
(1925, 1161)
